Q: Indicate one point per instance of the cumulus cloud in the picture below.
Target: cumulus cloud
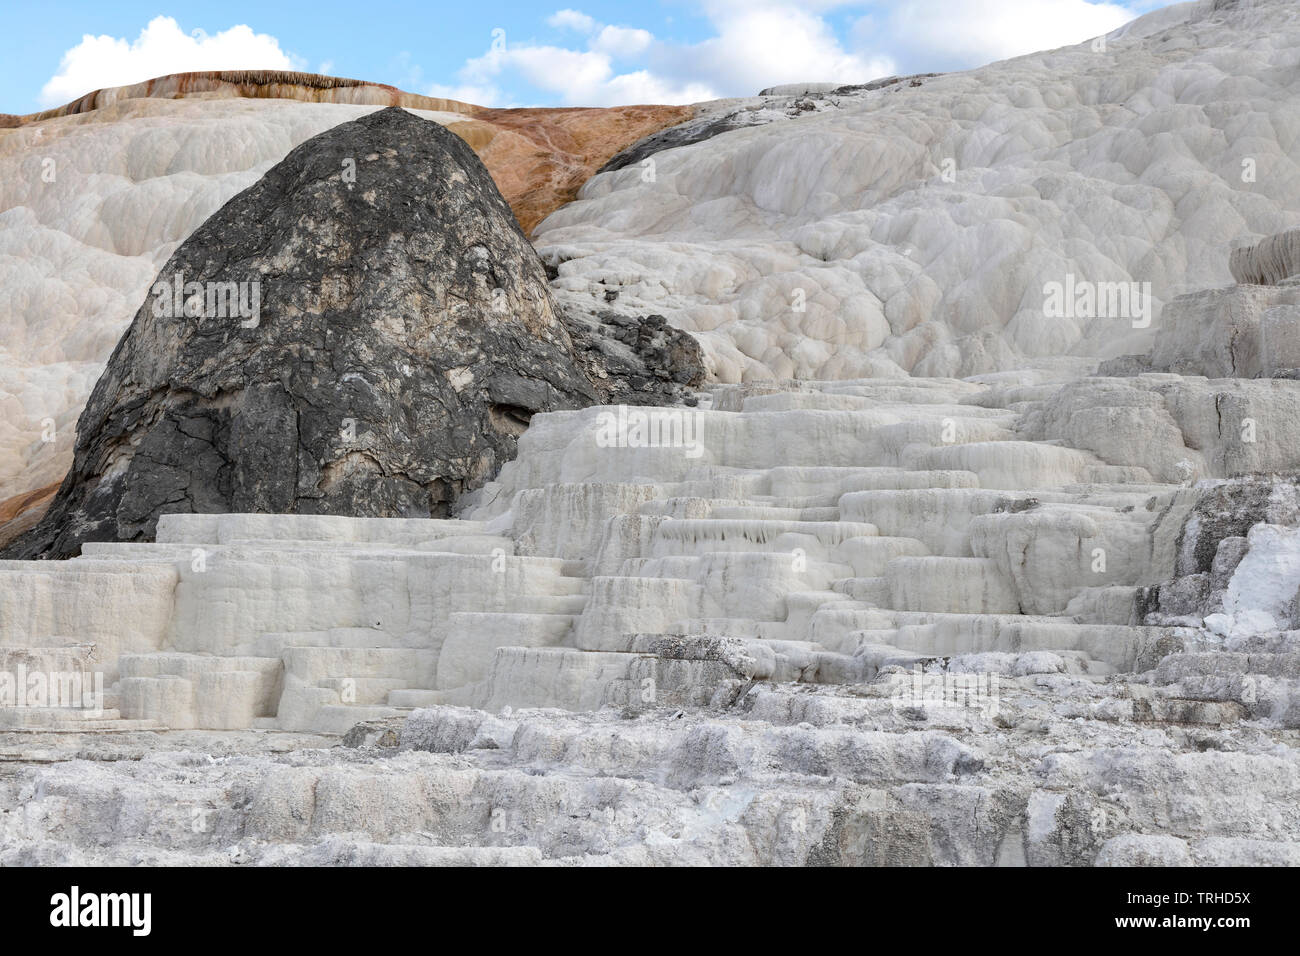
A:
(763, 44)
(939, 35)
(759, 43)
(162, 47)
(622, 41)
(479, 95)
(756, 45)
(573, 77)
(572, 20)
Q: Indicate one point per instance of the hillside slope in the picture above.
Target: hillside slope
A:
(913, 227)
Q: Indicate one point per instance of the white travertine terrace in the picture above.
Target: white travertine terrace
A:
(1136, 163)
(1122, 165)
(773, 583)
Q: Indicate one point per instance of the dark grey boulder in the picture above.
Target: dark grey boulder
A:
(369, 334)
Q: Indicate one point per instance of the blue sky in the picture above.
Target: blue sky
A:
(533, 54)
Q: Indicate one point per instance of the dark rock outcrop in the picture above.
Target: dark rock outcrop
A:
(684, 134)
(363, 331)
(912, 79)
(701, 128)
(636, 359)
(1213, 542)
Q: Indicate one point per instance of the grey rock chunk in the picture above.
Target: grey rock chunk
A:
(1213, 542)
(1267, 262)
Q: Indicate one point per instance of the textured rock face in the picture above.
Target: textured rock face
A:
(1268, 261)
(773, 104)
(1248, 330)
(1228, 520)
(709, 124)
(914, 227)
(394, 334)
(1243, 331)
(21, 512)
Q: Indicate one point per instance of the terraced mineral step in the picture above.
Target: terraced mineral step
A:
(1018, 565)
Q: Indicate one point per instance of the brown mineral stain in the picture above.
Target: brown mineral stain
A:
(539, 158)
(21, 512)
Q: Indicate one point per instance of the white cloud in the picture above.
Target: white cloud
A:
(754, 47)
(161, 48)
(642, 86)
(764, 44)
(621, 42)
(557, 69)
(760, 43)
(572, 20)
(756, 44)
(574, 77)
(958, 34)
(478, 95)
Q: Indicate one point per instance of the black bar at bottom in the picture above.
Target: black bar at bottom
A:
(565, 906)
